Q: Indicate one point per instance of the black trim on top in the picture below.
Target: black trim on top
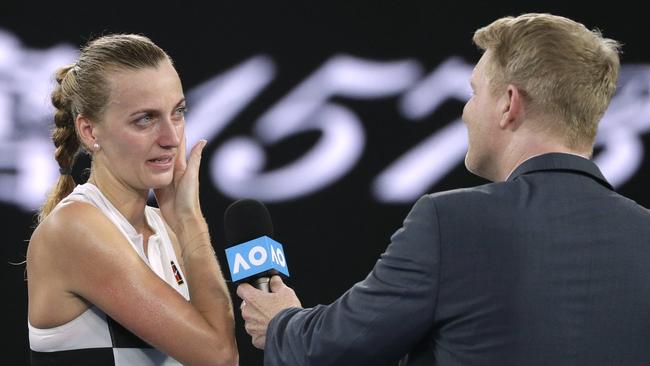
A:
(85, 356)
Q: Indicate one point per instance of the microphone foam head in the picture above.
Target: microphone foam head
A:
(246, 219)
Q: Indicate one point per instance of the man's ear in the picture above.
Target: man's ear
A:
(511, 105)
(86, 130)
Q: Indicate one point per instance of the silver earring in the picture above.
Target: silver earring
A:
(95, 147)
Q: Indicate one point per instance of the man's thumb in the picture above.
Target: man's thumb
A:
(276, 283)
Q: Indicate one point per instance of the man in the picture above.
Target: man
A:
(545, 266)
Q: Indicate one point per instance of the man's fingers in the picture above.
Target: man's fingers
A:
(246, 292)
(259, 341)
(248, 314)
(250, 329)
(244, 312)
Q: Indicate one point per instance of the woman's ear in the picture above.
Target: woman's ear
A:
(87, 132)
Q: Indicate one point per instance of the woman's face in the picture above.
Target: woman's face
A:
(143, 126)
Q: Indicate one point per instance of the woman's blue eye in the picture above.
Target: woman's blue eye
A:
(144, 120)
(181, 110)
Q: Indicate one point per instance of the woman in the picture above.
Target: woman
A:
(112, 280)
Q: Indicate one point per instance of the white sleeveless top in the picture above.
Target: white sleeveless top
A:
(93, 336)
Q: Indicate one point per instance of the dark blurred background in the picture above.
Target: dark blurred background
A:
(337, 115)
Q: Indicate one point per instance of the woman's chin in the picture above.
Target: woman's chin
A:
(160, 182)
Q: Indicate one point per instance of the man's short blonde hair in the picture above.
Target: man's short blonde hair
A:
(566, 72)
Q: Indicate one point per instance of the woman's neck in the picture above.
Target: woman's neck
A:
(128, 201)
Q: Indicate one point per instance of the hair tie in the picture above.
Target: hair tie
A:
(65, 171)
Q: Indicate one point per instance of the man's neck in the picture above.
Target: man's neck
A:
(520, 152)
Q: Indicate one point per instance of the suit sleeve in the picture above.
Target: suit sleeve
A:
(380, 318)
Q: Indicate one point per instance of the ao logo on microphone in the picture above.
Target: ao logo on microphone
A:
(255, 257)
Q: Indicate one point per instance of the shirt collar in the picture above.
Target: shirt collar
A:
(559, 162)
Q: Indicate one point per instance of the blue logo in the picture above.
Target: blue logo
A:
(254, 257)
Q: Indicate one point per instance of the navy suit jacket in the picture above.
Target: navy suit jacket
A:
(551, 267)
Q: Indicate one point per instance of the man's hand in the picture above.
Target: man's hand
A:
(259, 307)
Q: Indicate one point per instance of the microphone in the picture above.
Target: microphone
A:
(253, 256)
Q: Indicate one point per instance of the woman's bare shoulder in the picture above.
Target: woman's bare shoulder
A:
(73, 228)
(67, 219)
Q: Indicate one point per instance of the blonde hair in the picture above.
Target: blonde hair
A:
(565, 71)
(82, 88)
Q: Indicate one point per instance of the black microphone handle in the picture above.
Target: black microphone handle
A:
(262, 283)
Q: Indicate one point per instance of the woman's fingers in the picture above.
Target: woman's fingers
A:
(181, 161)
(194, 162)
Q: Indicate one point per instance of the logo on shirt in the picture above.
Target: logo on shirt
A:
(177, 274)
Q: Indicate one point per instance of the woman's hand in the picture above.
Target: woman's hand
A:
(179, 201)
